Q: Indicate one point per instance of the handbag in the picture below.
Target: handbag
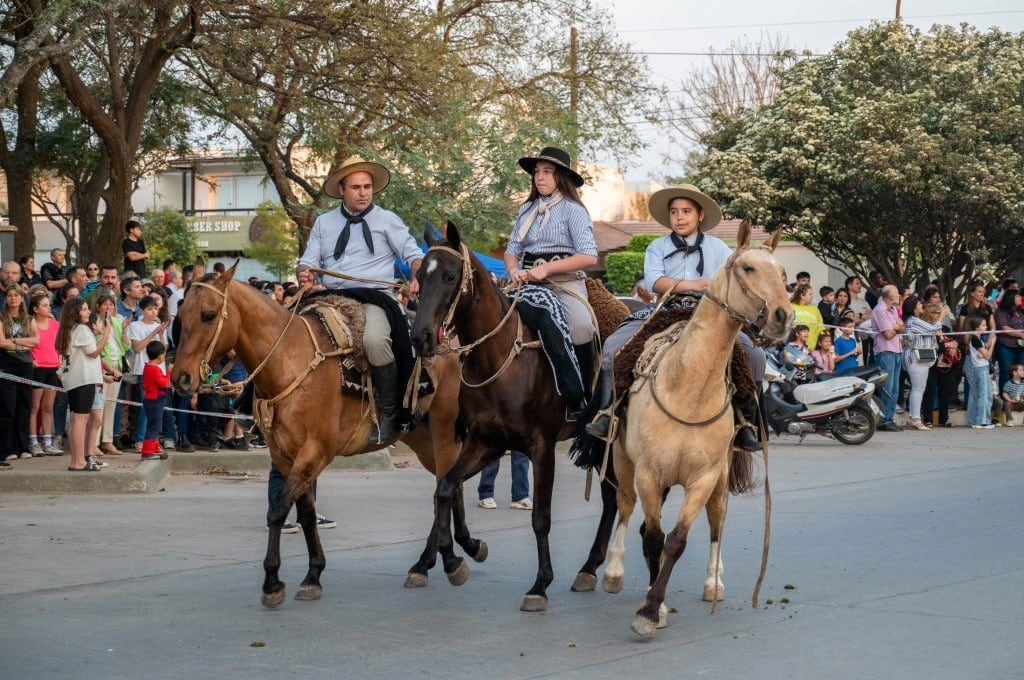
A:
(925, 355)
(950, 356)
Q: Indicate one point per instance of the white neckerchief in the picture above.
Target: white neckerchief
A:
(541, 208)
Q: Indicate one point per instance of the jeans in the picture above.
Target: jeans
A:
(520, 478)
(890, 362)
(154, 415)
(979, 404)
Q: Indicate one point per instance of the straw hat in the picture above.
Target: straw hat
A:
(556, 157)
(661, 200)
(381, 176)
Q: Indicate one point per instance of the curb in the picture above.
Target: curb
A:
(150, 476)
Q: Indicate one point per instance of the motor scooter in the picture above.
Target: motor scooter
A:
(841, 407)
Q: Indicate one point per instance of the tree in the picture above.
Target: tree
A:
(449, 95)
(278, 245)
(899, 151)
(114, 83)
(169, 236)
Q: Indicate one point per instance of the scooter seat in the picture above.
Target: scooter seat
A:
(831, 390)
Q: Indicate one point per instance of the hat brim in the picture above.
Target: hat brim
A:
(529, 164)
(381, 177)
(659, 203)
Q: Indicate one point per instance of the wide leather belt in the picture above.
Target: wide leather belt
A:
(683, 302)
(531, 260)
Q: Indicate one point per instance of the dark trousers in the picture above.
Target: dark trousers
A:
(520, 477)
(938, 390)
(15, 406)
(154, 409)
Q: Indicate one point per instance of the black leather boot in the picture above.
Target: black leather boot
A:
(385, 391)
(585, 358)
(604, 395)
(746, 436)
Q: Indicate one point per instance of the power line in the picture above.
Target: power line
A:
(809, 23)
(721, 54)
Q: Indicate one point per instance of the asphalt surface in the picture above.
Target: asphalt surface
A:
(899, 559)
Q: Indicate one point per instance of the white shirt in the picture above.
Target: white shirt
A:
(140, 330)
(681, 266)
(82, 369)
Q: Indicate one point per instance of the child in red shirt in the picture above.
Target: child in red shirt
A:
(156, 384)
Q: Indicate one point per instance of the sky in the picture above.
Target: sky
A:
(689, 26)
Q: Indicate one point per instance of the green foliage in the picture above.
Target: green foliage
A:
(638, 244)
(623, 268)
(899, 151)
(278, 247)
(168, 235)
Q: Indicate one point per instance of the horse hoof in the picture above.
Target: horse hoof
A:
(644, 627)
(273, 600)
(714, 593)
(414, 580)
(309, 593)
(460, 575)
(481, 553)
(662, 617)
(534, 603)
(612, 584)
(584, 583)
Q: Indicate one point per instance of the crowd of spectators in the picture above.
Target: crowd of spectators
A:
(113, 314)
(938, 359)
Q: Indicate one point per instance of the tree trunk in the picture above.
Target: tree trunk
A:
(19, 166)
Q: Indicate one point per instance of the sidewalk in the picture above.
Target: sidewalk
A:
(127, 473)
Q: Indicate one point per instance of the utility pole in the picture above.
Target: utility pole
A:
(574, 93)
(899, 4)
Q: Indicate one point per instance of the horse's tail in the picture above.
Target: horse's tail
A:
(741, 472)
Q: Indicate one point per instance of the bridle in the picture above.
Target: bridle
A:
(465, 288)
(733, 313)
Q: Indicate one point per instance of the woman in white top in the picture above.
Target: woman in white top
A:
(922, 333)
(77, 342)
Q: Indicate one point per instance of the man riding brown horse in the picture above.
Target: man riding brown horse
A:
(363, 240)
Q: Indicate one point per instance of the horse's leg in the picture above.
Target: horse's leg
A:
(586, 579)
(615, 572)
(648, 616)
(475, 455)
(310, 588)
(718, 505)
(475, 548)
(543, 458)
(273, 587)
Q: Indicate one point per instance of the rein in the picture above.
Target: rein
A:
(466, 287)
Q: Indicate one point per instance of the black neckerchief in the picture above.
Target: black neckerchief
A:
(339, 247)
(680, 243)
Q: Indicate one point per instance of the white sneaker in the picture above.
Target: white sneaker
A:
(525, 504)
(36, 450)
(488, 504)
(51, 450)
(988, 426)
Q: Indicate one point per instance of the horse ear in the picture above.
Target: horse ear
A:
(743, 235)
(229, 275)
(451, 232)
(772, 242)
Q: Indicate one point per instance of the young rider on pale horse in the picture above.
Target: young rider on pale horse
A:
(683, 263)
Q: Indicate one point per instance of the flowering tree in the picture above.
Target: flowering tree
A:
(899, 151)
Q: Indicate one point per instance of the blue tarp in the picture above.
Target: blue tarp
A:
(492, 264)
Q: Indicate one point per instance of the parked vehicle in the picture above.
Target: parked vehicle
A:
(841, 407)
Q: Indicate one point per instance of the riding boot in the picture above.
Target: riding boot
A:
(385, 390)
(604, 395)
(585, 359)
(745, 418)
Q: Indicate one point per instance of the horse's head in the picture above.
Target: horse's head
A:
(206, 331)
(755, 282)
(445, 278)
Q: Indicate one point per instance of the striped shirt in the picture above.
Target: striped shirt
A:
(391, 240)
(569, 230)
(1014, 390)
(920, 334)
(681, 266)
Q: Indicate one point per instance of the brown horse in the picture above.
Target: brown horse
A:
(284, 354)
(678, 427)
(508, 398)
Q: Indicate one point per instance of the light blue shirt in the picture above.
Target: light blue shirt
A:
(681, 266)
(569, 230)
(391, 240)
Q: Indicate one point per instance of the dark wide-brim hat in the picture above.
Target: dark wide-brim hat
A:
(660, 201)
(381, 175)
(556, 157)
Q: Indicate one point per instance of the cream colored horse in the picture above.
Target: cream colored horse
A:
(678, 427)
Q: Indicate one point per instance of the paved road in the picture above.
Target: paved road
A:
(905, 554)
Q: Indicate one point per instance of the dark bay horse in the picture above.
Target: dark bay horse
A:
(309, 421)
(508, 399)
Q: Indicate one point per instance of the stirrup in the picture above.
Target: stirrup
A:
(604, 427)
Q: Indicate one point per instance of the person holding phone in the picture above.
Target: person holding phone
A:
(106, 309)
